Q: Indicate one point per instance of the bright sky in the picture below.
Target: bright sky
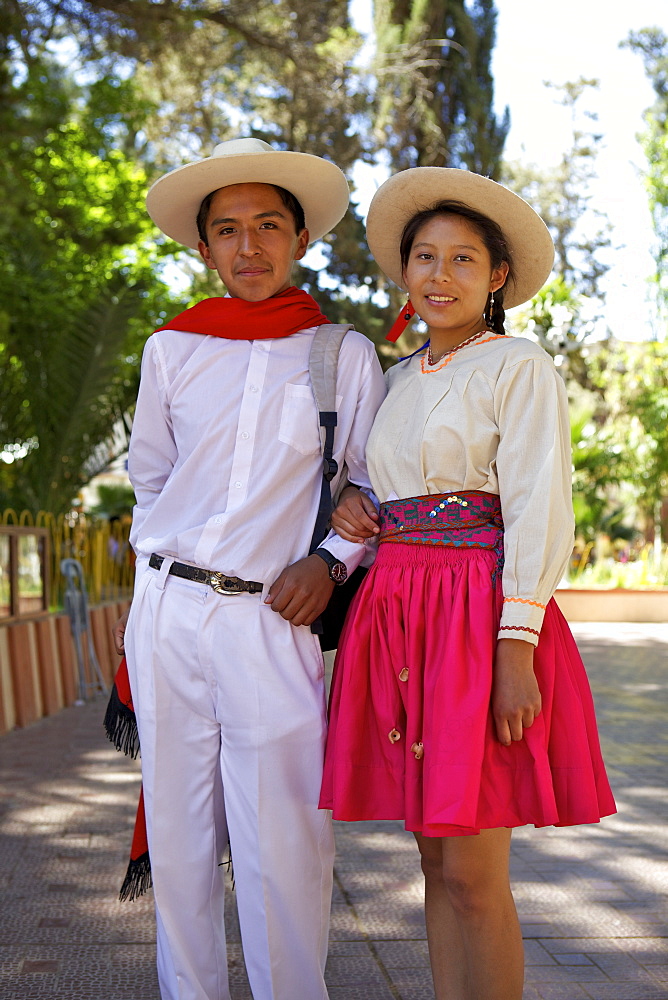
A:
(539, 42)
(581, 38)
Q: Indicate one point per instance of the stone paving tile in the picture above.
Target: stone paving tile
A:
(556, 991)
(574, 959)
(362, 971)
(626, 971)
(398, 924)
(350, 949)
(78, 972)
(344, 925)
(414, 991)
(565, 974)
(402, 954)
(536, 954)
(627, 991)
(353, 992)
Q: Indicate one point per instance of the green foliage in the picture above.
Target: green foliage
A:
(646, 568)
(560, 196)
(555, 317)
(634, 380)
(114, 501)
(69, 389)
(566, 312)
(596, 468)
(652, 45)
(78, 291)
(433, 105)
(435, 88)
(620, 439)
(208, 72)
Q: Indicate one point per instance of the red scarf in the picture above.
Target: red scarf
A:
(121, 727)
(236, 319)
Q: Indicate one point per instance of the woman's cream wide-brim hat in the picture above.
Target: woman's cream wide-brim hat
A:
(319, 185)
(411, 191)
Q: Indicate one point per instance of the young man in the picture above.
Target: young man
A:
(226, 675)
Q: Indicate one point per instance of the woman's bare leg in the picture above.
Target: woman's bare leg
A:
(446, 948)
(475, 942)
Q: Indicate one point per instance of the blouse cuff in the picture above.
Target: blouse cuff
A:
(521, 618)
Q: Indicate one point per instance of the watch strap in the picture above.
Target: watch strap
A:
(331, 561)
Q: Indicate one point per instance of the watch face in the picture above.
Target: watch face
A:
(338, 572)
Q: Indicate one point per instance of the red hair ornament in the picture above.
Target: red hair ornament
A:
(401, 322)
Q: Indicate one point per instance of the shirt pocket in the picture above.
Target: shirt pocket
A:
(299, 419)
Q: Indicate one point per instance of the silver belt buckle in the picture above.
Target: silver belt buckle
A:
(217, 582)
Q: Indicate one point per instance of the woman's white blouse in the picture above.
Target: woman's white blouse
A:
(495, 418)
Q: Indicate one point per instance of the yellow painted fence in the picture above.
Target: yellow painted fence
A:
(101, 546)
(39, 672)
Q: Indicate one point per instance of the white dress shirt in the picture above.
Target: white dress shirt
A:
(495, 418)
(225, 456)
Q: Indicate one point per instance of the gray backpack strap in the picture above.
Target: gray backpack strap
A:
(322, 365)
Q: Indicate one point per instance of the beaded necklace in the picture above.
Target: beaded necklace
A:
(448, 356)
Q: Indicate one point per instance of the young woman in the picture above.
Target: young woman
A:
(459, 701)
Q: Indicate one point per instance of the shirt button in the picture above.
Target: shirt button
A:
(252, 388)
(403, 674)
(218, 519)
(394, 735)
(245, 435)
(238, 485)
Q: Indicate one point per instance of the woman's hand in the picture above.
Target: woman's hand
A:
(355, 517)
(516, 699)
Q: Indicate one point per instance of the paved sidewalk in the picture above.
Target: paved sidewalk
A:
(592, 900)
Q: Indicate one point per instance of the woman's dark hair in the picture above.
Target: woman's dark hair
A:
(287, 197)
(491, 235)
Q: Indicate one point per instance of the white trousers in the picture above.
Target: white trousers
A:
(230, 705)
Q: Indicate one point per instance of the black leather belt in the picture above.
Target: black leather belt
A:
(217, 581)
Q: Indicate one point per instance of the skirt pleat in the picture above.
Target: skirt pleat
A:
(411, 731)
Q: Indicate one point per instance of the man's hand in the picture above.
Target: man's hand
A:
(118, 632)
(302, 591)
(515, 696)
(355, 517)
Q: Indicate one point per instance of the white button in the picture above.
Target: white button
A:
(218, 520)
(253, 388)
(238, 485)
(245, 435)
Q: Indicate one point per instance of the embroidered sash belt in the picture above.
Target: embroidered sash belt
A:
(468, 519)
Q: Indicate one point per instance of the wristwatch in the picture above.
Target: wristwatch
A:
(337, 569)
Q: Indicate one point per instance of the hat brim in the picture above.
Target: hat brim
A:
(319, 185)
(411, 191)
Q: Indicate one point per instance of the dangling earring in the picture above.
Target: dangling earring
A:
(401, 322)
(490, 312)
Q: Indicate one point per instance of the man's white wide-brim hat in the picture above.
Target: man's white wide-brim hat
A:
(319, 185)
(411, 191)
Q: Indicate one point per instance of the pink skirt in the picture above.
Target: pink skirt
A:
(411, 734)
